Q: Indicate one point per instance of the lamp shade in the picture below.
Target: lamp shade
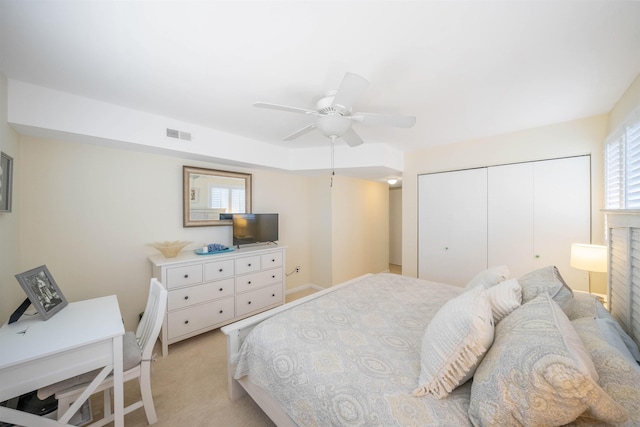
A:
(589, 257)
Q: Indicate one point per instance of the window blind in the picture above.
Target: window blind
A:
(622, 165)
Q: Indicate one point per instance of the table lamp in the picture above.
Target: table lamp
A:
(592, 258)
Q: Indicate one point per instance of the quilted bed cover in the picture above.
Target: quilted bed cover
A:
(352, 357)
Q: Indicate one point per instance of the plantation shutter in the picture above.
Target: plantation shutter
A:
(622, 165)
(633, 166)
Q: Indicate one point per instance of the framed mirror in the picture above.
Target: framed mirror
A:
(208, 194)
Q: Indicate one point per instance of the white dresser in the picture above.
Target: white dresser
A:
(210, 291)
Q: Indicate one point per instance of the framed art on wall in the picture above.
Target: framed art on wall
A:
(43, 291)
(6, 174)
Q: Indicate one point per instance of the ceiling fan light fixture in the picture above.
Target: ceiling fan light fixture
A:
(333, 125)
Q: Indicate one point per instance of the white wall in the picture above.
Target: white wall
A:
(87, 212)
(11, 294)
(565, 139)
(395, 226)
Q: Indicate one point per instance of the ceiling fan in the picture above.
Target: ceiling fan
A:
(334, 114)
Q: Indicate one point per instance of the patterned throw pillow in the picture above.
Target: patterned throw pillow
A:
(589, 305)
(619, 374)
(538, 372)
(547, 280)
(457, 337)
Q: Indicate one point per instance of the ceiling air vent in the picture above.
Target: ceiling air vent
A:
(178, 134)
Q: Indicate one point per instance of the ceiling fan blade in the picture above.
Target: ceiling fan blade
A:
(283, 108)
(352, 138)
(384, 119)
(299, 132)
(350, 89)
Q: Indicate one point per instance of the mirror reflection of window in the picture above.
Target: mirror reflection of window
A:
(228, 198)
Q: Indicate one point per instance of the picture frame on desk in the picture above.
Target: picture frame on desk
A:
(43, 291)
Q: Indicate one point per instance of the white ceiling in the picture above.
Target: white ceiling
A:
(464, 69)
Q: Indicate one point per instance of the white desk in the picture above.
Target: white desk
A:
(84, 336)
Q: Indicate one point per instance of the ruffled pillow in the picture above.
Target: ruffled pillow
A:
(489, 277)
(454, 343)
(504, 298)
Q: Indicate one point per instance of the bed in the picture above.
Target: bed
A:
(355, 355)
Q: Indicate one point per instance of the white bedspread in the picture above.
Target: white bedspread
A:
(352, 357)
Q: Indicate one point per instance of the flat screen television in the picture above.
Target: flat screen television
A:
(254, 228)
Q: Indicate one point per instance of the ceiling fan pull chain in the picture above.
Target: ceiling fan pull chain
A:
(333, 172)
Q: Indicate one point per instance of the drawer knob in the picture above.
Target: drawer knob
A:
(220, 311)
(186, 297)
(186, 322)
(273, 277)
(273, 260)
(273, 295)
(249, 302)
(221, 289)
(186, 276)
(249, 264)
(249, 282)
(220, 270)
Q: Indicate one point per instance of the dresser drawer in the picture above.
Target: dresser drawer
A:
(258, 280)
(248, 264)
(182, 322)
(190, 295)
(272, 260)
(183, 276)
(258, 299)
(218, 270)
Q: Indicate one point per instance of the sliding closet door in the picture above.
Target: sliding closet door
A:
(510, 239)
(452, 225)
(536, 211)
(562, 214)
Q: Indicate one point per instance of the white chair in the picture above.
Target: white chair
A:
(138, 350)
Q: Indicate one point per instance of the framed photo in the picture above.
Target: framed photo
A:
(194, 195)
(43, 291)
(6, 175)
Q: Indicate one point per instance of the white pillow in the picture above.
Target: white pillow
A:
(454, 343)
(490, 277)
(504, 298)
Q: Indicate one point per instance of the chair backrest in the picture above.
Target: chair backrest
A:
(151, 322)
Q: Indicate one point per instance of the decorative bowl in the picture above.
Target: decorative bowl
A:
(169, 249)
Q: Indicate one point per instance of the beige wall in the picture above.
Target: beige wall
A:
(561, 140)
(320, 234)
(625, 105)
(395, 226)
(11, 295)
(87, 212)
(350, 233)
(360, 227)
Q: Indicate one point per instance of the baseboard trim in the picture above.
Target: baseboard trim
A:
(304, 288)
